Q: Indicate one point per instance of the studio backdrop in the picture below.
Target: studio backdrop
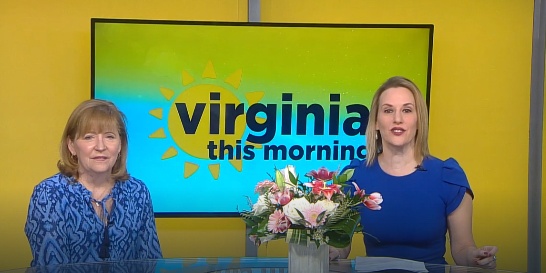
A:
(213, 108)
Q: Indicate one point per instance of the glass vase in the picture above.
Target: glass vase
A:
(305, 259)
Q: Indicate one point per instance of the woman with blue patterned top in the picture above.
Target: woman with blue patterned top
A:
(93, 210)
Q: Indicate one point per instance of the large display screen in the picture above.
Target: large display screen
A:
(214, 107)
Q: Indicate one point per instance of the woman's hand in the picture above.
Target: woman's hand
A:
(485, 256)
(339, 253)
(334, 253)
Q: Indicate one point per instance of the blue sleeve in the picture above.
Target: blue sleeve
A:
(45, 227)
(150, 248)
(455, 185)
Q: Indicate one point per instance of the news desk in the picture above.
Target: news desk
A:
(220, 265)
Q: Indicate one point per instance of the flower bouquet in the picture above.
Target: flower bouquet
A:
(303, 213)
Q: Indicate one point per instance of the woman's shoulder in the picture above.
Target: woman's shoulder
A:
(450, 170)
(54, 182)
(52, 188)
(354, 169)
(133, 184)
(354, 164)
(449, 164)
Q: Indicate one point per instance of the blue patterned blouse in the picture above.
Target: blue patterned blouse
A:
(62, 226)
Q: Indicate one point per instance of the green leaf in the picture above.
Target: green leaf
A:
(359, 228)
(253, 231)
(297, 236)
(371, 236)
(279, 179)
(349, 173)
(320, 216)
(302, 221)
(335, 180)
(346, 225)
(293, 179)
(300, 214)
(249, 222)
(342, 179)
(248, 201)
(338, 240)
(262, 227)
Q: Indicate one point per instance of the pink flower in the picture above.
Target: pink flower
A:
(264, 186)
(274, 188)
(315, 185)
(254, 239)
(281, 197)
(373, 201)
(278, 222)
(320, 187)
(321, 174)
(359, 192)
(311, 213)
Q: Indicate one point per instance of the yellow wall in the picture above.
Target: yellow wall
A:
(479, 98)
(479, 102)
(45, 72)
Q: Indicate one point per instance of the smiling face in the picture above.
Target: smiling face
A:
(397, 118)
(97, 152)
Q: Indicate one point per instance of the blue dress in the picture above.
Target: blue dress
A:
(62, 226)
(412, 222)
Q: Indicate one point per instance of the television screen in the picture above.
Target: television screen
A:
(214, 107)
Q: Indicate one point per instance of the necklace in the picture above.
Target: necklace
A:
(102, 208)
(99, 202)
(95, 197)
(101, 196)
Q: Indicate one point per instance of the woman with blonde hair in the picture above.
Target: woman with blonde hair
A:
(92, 210)
(424, 197)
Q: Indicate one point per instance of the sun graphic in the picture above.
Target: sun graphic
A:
(195, 143)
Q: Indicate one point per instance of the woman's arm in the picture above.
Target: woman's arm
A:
(150, 248)
(463, 247)
(45, 228)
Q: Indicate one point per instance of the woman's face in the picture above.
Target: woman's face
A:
(397, 118)
(97, 152)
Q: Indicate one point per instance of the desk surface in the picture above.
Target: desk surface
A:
(219, 265)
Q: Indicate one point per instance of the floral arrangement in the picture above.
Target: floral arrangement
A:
(316, 211)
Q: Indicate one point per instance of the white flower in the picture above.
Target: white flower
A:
(285, 171)
(260, 206)
(290, 209)
(329, 205)
(299, 192)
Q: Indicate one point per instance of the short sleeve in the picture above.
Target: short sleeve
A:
(455, 185)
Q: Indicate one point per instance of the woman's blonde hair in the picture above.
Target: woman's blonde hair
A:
(373, 138)
(100, 116)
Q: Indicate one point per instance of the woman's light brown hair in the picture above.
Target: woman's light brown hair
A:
(99, 116)
(373, 138)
